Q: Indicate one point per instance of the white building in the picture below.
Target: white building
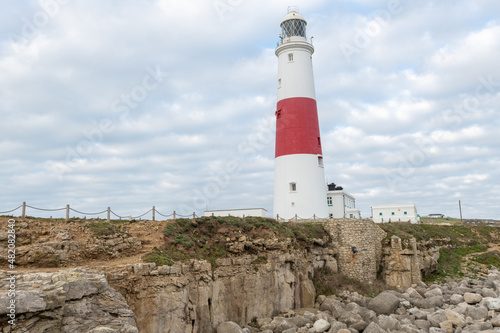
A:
(395, 213)
(261, 212)
(341, 204)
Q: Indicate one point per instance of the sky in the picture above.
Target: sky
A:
(134, 104)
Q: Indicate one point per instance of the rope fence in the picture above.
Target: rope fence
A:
(153, 211)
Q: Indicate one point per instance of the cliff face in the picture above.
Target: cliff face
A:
(196, 297)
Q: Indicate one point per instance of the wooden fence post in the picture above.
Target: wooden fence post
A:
(67, 213)
(154, 209)
(174, 215)
(23, 214)
(109, 214)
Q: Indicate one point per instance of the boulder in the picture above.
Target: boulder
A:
(492, 304)
(333, 305)
(384, 303)
(456, 299)
(388, 323)
(229, 327)
(321, 325)
(455, 318)
(476, 313)
(337, 326)
(495, 321)
(436, 318)
(374, 328)
(446, 326)
(471, 298)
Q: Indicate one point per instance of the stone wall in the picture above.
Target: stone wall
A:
(366, 237)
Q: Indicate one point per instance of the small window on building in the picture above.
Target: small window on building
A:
(329, 200)
(380, 214)
(320, 161)
(290, 56)
(278, 114)
(293, 187)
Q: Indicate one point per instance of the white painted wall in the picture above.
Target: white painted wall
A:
(395, 213)
(238, 212)
(309, 199)
(296, 77)
(342, 205)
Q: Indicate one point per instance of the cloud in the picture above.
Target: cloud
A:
(403, 120)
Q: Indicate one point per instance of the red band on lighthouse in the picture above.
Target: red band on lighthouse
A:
(297, 127)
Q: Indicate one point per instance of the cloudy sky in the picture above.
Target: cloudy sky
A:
(131, 104)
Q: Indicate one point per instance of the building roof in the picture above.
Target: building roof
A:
(394, 205)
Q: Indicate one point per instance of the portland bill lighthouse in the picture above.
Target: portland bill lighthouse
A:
(299, 180)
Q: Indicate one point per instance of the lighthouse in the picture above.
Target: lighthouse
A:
(299, 180)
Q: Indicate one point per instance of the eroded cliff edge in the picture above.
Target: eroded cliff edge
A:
(256, 272)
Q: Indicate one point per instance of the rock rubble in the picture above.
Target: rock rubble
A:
(466, 306)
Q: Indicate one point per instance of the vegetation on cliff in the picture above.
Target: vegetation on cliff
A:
(456, 244)
(214, 237)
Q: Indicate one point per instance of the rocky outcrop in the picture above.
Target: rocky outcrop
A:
(401, 266)
(196, 297)
(76, 300)
(57, 246)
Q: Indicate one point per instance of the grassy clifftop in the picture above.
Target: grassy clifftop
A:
(463, 250)
(213, 237)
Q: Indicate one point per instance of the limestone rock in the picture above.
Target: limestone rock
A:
(333, 305)
(492, 304)
(229, 327)
(455, 318)
(374, 328)
(456, 299)
(76, 300)
(384, 303)
(472, 298)
(321, 325)
(476, 313)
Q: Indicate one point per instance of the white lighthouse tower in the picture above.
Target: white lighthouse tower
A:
(299, 181)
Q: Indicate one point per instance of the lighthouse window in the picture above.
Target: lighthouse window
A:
(293, 187)
(329, 200)
(293, 28)
(320, 161)
(278, 114)
(279, 83)
(290, 56)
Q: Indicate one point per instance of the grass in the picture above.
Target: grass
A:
(454, 235)
(455, 242)
(210, 238)
(104, 228)
(450, 262)
(329, 283)
(489, 258)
